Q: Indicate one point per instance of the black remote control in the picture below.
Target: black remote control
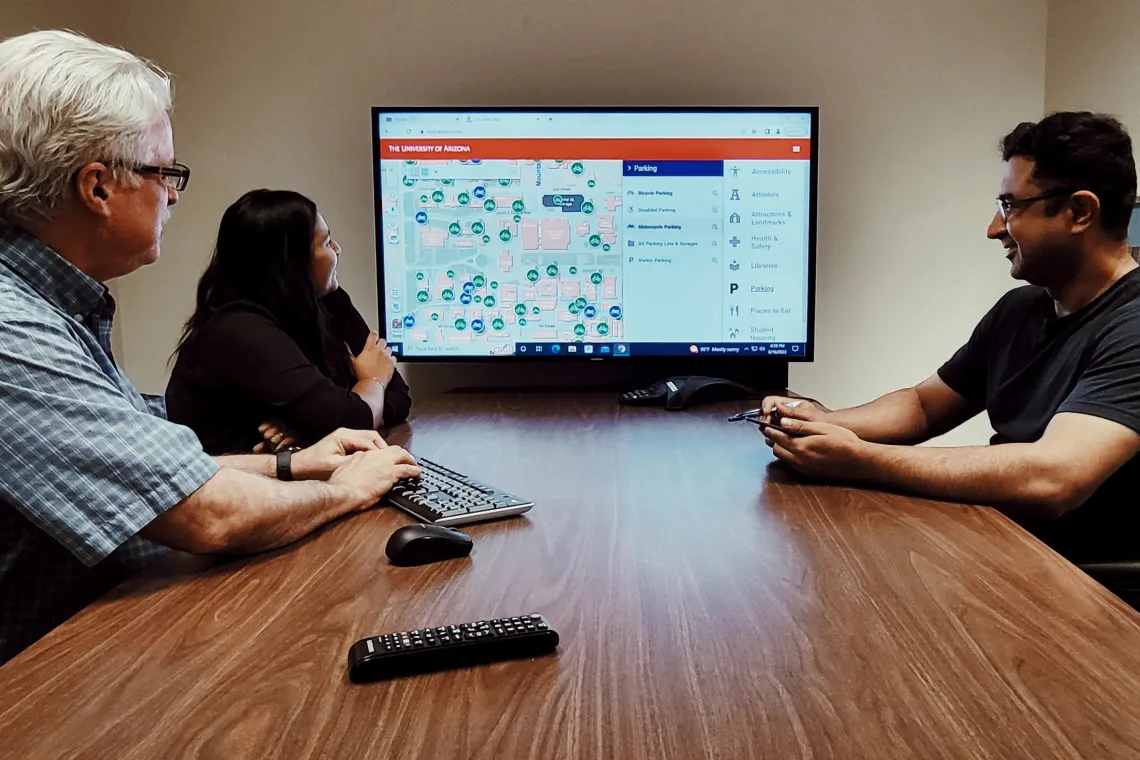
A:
(453, 646)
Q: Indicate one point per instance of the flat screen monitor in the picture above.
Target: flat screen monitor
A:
(1134, 233)
(591, 234)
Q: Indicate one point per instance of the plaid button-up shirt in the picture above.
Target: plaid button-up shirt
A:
(86, 461)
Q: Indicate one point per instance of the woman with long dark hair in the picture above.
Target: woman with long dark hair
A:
(275, 353)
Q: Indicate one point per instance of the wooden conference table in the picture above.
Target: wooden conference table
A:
(710, 606)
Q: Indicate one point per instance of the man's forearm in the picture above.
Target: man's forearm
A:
(261, 515)
(258, 464)
(239, 512)
(1012, 476)
(896, 418)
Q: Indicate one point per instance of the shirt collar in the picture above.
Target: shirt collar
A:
(55, 278)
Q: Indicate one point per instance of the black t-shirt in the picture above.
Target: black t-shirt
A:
(1024, 364)
(242, 369)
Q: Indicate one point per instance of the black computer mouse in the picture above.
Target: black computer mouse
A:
(420, 544)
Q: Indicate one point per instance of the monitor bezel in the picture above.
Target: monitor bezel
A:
(813, 202)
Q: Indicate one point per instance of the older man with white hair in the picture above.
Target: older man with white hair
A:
(94, 481)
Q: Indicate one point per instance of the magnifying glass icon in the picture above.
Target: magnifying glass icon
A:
(715, 227)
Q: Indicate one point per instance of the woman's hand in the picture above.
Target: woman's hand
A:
(374, 360)
(275, 436)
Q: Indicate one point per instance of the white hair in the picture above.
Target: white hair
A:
(67, 101)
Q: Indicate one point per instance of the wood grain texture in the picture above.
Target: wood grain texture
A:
(710, 606)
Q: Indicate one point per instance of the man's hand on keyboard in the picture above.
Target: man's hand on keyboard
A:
(323, 458)
(371, 474)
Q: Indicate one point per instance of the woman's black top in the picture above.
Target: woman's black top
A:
(242, 369)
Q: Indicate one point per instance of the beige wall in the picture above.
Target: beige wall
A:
(1093, 58)
(914, 95)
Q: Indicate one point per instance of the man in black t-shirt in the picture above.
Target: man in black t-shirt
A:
(1055, 364)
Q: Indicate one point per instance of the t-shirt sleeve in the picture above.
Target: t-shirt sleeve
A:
(251, 353)
(346, 321)
(1110, 385)
(397, 400)
(80, 461)
(966, 371)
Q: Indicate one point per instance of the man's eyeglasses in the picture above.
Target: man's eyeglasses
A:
(176, 176)
(1006, 205)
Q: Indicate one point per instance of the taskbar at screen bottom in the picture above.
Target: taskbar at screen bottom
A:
(491, 350)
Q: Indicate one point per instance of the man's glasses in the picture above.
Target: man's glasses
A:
(176, 176)
(1007, 205)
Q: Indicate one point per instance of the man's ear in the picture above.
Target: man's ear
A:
(1085, 207)
(94, 188)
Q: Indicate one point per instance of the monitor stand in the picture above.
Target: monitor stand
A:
(762, 376)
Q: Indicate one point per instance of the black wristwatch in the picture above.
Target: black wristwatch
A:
(285, 463)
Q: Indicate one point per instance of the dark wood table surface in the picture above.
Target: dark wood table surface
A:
(710, 606)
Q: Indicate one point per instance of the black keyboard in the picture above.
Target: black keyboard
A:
(445, 497)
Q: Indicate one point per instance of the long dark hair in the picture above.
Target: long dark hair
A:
(264, 256)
